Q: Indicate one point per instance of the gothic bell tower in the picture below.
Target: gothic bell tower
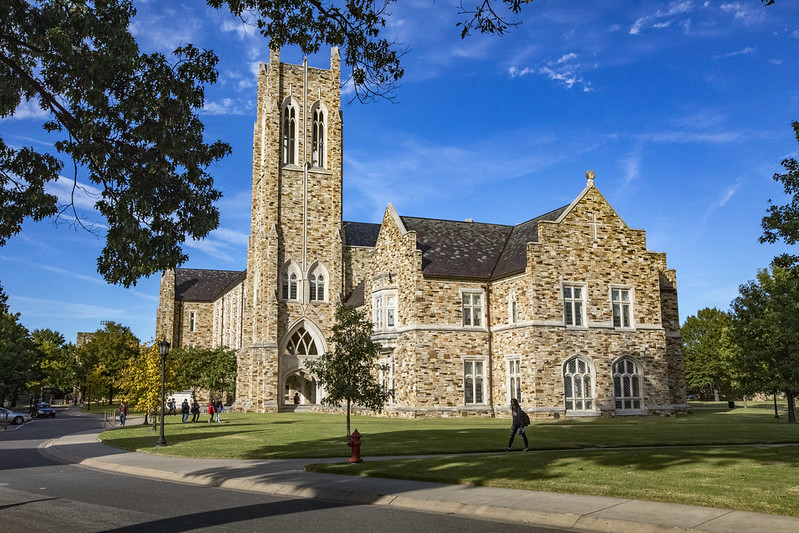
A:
(294, 257)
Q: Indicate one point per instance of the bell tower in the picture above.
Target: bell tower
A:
(294, 257)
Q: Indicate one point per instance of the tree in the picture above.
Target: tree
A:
(782, 221)
(140, 379)
(17, 356)
(349, 372)
(128, 119)
(766, 327)
(105, 355)
(709, 353)
(208, 369)
(54, 365)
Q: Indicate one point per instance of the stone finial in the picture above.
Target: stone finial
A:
(590, 175)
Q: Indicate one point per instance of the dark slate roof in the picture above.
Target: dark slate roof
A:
(201, 285)
(360, 234)
(514, 256)
(458, 249)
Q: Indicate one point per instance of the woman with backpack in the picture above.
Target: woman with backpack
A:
(520, 420)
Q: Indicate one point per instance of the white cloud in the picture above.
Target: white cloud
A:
(29, 109)
(742, 52)
(68, 191)
(227, 106)
(725, 196)
(744, 12)
(649, 21)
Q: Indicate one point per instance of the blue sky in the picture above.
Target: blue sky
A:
(682, 109)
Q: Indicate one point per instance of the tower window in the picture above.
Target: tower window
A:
(289, 134)
(318, 138)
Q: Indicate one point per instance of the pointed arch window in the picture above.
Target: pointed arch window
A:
(289, 133)
(319, 136)
(628, 376)
(578, 384)
(290, 282)
(302, 343)
(317, 283)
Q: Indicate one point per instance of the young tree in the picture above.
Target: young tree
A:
(140, 380)
(349, 372)
(782, 221)
(17, 356)
(766, 328)
(709, 353)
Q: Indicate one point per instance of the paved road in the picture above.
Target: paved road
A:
(38, 493)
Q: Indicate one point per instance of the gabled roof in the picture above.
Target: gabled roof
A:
(458, 249)
(201, 285)
(514, 256)
(360, 234)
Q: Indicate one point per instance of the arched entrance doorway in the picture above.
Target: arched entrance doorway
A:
(303, 342)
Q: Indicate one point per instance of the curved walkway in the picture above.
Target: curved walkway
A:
(567, 512)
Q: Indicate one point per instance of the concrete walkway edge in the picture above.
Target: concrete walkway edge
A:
(287, 478)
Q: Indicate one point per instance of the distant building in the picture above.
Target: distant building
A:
(569, 312)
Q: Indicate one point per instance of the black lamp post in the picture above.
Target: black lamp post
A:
(163, 347)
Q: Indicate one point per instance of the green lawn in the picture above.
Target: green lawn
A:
(698, 465)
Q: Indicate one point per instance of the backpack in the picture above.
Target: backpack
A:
(525, 419)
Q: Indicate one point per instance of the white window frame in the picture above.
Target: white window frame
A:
(618, 306)
(192, 321)
(514, 372)
(291, 278)
(317, 272)
(574, 312)
(319, 116)
(384, 310)
(474, 380)
(473, 316)
(579, 395)
(289, 131)
(628, 375)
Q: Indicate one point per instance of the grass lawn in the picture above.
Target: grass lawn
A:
(698, 467)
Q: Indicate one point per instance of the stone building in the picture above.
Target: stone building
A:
(569, 312)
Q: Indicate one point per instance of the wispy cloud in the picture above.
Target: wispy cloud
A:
(565, 71)
(725, 196)
(743, 52)
(655, 21)
(744, 12)
(226, 106)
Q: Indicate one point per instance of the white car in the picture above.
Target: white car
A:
(13, 416)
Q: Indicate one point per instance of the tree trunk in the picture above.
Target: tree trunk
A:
(789, 395)
(348, 418)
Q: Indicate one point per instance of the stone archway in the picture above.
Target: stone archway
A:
(304, 341)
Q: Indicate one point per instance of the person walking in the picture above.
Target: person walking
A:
(520, 420)
(296, 398)
(184, 410)
(211, 411)
(218, 407)
(195, 411)
(123, 412)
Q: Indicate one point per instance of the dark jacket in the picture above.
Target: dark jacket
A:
(518, 418)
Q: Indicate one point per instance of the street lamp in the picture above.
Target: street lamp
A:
(163, 347)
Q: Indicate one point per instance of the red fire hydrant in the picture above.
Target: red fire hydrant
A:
(354, 442)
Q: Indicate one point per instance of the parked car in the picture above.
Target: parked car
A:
(44, 409)
(13, 416)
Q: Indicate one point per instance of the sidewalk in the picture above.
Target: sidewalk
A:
(287, 478)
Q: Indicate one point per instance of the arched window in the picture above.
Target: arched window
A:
(628, 378)
(289, 282)
(318, 136)
(317, 283)
(301, 343)
(289, 133)
(512, 308)
(578, 384)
